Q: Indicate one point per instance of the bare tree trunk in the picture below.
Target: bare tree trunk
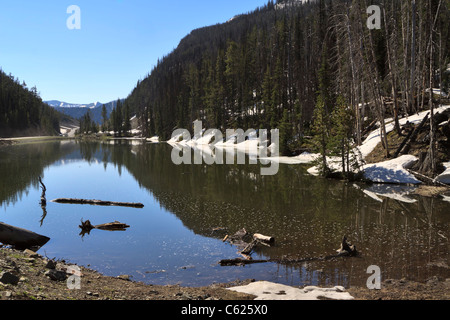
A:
(432, 122)
(413, 52)
(393, 76)
(354, 84)
(378, 99)
(405, 36)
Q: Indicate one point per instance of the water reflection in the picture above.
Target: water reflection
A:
(404, 234)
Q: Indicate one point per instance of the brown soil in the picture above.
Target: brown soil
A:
(420, 145)
(30, 270)
(433, 289)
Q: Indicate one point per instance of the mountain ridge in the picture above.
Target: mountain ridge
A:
(63, 104)
(77, 111)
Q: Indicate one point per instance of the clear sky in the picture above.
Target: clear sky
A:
(119, 42)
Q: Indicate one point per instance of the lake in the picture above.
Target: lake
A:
(188, 209)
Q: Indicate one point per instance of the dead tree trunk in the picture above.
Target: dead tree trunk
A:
(411, 137)
(393, 76)
(413, 51)
(99, 202)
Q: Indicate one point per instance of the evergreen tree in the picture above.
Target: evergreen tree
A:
(126, 120)
(321, 137)
(342, 142)
(104, 119)
(285, 128)
(22, 110)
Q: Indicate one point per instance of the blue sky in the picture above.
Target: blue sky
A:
(119, 42)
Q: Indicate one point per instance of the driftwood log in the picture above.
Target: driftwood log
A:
(112, 226)
(247, 242)
(240, 261)
(345, 250)
(428, 180)
(98, 202)
(87, 227)
(263, 238)
(21, 238)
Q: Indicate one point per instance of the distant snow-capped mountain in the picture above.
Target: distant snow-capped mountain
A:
(61, 104)
(77, 111)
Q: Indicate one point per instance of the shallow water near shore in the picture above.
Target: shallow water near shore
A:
(188, 209)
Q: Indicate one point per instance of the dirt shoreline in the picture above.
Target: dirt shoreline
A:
(25, 275)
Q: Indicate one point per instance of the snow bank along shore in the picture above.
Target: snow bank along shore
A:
(391, 180)
(387, 172)
(264, 290)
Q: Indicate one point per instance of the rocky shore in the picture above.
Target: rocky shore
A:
(26, 275)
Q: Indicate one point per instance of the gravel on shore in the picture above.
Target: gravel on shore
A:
(26, 275)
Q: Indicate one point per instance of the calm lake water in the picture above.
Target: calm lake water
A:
(172, 239)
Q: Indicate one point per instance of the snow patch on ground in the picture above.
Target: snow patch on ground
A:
(374, 137)
(264, 290)
(304, 158)
(392, 171)
(153, 139)
(445, 176)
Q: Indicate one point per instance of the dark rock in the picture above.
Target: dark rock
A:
(56, 275)
(51, 264)
(8, 278)
(31, 253)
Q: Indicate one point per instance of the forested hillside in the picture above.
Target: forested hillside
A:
(22, 112)
(312, 69)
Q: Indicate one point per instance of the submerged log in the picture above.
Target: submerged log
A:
(240, 261)
(21, 238)
(346, 250)
(112, 226)
(247, 242)
(428, 180)
(249, 248)
(99, 202)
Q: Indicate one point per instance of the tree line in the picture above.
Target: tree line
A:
(119, 121)
(22, 110)
(308, 69)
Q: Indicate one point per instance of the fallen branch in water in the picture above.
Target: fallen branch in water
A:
(112, 226)
(240, 261)
(99, 202)
(346, 250)
(86, 227)
(428, 180)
